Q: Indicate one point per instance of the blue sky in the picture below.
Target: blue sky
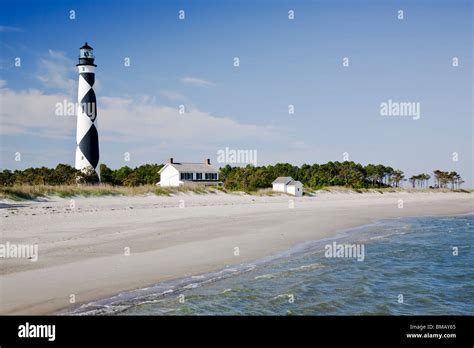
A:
(282, 62)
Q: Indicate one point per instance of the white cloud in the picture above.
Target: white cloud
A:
(196, 82)
(131, 121)
(31, 112)
(149, 131)
(174, 96)
(6, 29)
(55, 71)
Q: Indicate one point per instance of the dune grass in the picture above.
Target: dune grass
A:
(343, 189)
(31, 192)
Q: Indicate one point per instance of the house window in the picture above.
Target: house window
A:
(186, 176)
(211, 176)
(198, 176)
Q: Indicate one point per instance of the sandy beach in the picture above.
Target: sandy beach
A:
(83, 243)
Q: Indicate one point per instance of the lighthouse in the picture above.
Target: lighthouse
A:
(87, 136)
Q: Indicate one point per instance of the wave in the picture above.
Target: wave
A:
(290, 268)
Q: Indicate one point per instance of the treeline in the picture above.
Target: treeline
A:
(441, 179)
(314, 176)
(64, 174)
(317, 176)
(126, 176)
(250, 178)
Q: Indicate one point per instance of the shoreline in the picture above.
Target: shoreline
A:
(169, 243)
(177, 286)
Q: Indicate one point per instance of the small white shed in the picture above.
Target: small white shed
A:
(294, 188)
(287, 185)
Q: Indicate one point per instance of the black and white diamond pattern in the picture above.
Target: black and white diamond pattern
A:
(87, 152)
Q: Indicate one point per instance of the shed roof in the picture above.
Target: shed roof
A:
(282, 180)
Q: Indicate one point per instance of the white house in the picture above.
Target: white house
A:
(176, 174)
(286, 184)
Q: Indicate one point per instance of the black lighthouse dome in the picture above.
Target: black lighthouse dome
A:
(86, 55)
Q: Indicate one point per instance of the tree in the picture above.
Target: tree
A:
(63, 174)
(87, 176)
(120, 175)
(106, 174)
(6, 178)
(455, 179)
(413, 180)
(426, 177)
(147, 174)
(397, 177)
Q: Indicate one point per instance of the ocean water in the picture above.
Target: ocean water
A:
(409, 268)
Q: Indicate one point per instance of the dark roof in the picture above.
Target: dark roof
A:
(86, 46)
(192, 167)
(282, 180)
